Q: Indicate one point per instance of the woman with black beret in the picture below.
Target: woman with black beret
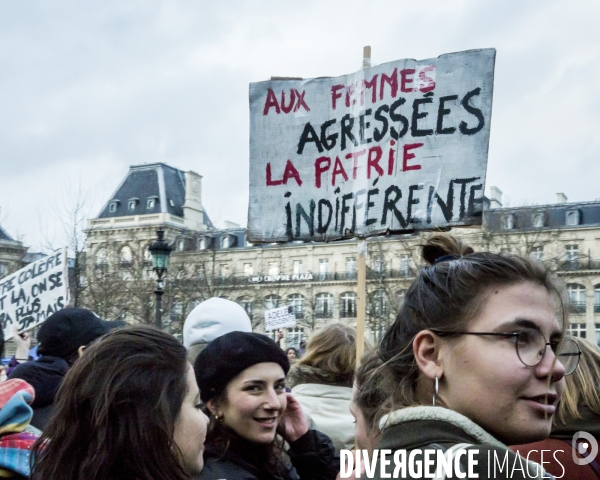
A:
(242, 384)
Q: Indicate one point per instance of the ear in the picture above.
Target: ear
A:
(80, 350)
(213, 407)
(426, 349)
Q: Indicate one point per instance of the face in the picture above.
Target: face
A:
(190, 427)
(483, 377)
(291, 354)
(365, 438)
(254, 403)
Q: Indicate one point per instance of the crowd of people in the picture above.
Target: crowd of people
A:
(478, 359)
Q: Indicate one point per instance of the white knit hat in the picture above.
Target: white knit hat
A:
(213, 318)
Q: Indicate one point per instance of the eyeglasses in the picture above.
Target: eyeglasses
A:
(531, 347)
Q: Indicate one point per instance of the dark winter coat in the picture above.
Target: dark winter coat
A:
(440, 428)
(312, 457)
(45, 375)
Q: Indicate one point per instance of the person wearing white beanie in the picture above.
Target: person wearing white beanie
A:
(211, 319)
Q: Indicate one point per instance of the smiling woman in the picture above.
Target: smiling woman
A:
(242, 382)
(476, 359)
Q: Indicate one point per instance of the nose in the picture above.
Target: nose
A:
(272, 400)
(550, 366)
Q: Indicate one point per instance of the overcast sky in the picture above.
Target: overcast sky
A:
(89, 88)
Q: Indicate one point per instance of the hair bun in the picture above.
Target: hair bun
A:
(439, 246)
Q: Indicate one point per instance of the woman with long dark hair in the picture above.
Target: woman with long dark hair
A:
(128, 409)
(242, 382)
(475, 361)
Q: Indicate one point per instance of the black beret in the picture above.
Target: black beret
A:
(230, 354)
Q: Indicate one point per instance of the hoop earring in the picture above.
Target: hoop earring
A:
(435, 390)
(219, 418)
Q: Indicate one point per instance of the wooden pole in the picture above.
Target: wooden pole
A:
(361, 264)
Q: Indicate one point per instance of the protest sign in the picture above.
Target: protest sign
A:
(396, 147)
(279, 318)
(32, 294)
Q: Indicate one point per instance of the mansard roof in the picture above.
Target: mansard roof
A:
(4, 235)
(553, 215)
(163, 184)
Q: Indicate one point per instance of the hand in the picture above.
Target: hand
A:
(293, 423)
(23, 343)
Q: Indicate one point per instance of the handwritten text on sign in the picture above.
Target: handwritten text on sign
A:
(279, 318)
(399, 146)
(32, 294)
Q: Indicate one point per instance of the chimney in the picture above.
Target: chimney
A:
(561, 198)
(495, 197)
(193, 213)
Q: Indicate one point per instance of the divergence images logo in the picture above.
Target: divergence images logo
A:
(587, 447)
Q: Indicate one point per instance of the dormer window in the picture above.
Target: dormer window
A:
(508, 222)
(151, 202)
(538, 220)
(205, 242)
(228, 241)
(112, 206)
(132, 203)
(572, 217)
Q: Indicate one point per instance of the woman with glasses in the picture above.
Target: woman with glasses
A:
(475, 361)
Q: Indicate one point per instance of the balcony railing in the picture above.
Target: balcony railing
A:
(580, 264)
(577, 307)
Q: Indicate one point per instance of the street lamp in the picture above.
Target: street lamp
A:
(160, 251)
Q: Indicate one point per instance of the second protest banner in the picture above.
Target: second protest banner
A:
(396, 147)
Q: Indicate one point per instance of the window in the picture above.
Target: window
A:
(131, 203)
(181, 245)
(538, 220)
(151, 203)
(573, 217)
(379, 303)
(296, 300)
(297, 267)
(112, 206)
(577, 330)
(597, 298)
(572, 256)
(3, 269)
(247, 304)
(350, 267)
(273, 268)
(323, 268)
(102, 256)
(205, 242)
(507, 222)
(272, 301)
(293, 337)
(537, 253)
(506, 251)
(378, 265)
(324, 305)
(224, 270)
(348, 305)
(576, 298)
(404, 265)
(176, 311)
(125, 256)
(248, 270)
(228, 241)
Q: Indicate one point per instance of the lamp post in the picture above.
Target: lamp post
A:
(160, 251)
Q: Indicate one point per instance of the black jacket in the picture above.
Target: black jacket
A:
(312, 457)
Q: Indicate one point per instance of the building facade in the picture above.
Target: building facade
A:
(317, 279)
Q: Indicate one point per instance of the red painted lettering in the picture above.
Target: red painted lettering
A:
(338, 169)
(300, 101)
(350, 91)
(322, 164)
(335, 94)
(291, 172)
(270, 181)
(392, 81)
(355, 156)
(427, 83)
(373, 160)
(407, 155)
(406, 80)
(288, 109)
(271, 102)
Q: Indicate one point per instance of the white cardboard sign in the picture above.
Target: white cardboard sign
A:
(32, 294)
(279, 318)
(397, 147)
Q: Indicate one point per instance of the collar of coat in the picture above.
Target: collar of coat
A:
(440, 414)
